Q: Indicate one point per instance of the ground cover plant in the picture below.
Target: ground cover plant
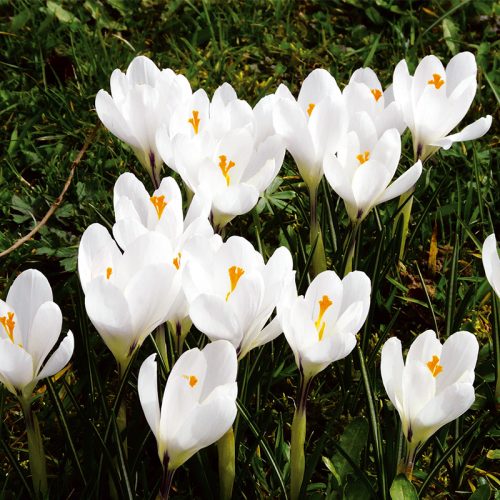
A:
(57, 55)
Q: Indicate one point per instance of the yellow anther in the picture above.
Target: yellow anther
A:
(376, 93)
(193, 380)
(225, 167)
(109, 271)
(159, 203)
(310, 108)
(195, 121)
(363, 157)
(434, 366)
(177, 261)
(437, 81)
(235, 273)
(8, 324)
(324, 304)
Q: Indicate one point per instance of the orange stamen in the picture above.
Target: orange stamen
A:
(225, 167)
(376, 93)
(177, 261)
(192, 379)
(195, 121)
(324, 304)
(310, 108)
(235, 273)
(437, 81)
(109, 271)
(434, 367)
(362, 158)
(8, 323)
(159, 203)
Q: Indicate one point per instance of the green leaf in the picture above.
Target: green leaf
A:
(62, 15)
(402, 489)
(450, 34)
(352, 442)
(481, 493)
(493, 454)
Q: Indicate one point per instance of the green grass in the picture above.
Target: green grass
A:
(54, 58)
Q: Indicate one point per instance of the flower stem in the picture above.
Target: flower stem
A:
(166, 482)
(405, 201)
(315, 236)
(161, 343)
(227, 467)
(37, 455)
(410, 461)
(352, 247)
(297, 456)
(121, 416)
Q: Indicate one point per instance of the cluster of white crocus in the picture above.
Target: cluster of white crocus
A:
(227, 154)
(30, 324)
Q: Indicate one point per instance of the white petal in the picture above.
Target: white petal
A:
(60, 358)
(147, 387)
(423, 348)
(318, 85)
(391, 368)
(460, 67)
(29, 291)
(458, 359)
(402, 183)
(16, 366)
(448, 405)
(473, 131)
(44, 333)
(491, 262)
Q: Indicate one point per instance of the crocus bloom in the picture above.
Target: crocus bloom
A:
(312, 125)
(137, 213)
(232, 293)
(321, 326)
(141, 100)
(220, 154)
(434, 385)
(491, 262)
(435, 100)
(364, 94)
(126, 295)
(363, 169)
(199, 402)
(30, 324)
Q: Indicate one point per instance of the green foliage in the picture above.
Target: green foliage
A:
(56, 55)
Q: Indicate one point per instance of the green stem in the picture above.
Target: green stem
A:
(227, 461)
(315, 236)
(297, 456)
(166, 482)
(121, 417)
(405, 201)
(37, 455)
(410, 460)
(352, 247)
(161, 343)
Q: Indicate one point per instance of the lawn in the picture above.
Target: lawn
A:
(56, 55)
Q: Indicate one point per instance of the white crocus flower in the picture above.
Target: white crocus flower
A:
(232, 293)
(221, 157)
(198, 405)
(321, 326)
(362, 171)
(433, 387)
(434, 101)
(126, 295)
(30, 324)
(313, 125)
(137, 213)
(364, 93)
(141, 101)
(491, 262)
